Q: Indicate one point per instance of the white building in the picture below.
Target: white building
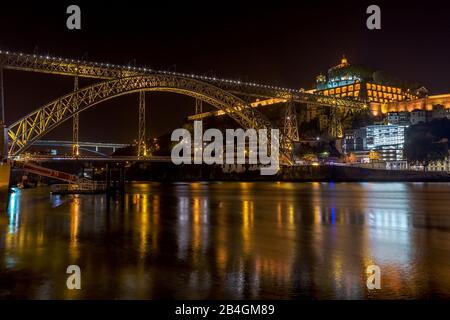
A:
(398, 118)
(440, 112)
(392, 118)
(397, 165)
(418, 116)
(443, 165)
(388, 140)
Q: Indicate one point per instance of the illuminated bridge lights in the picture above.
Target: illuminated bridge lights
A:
(32, 58)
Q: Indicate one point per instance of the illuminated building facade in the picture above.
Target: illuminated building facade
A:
(401, 118)
(355, 140)
(427, 103)
(442, 165)
(345, 80)
(388, 140)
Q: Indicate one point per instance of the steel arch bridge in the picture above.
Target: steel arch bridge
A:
(233, 97)
(38, 123)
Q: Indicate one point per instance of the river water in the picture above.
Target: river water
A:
(230, 240)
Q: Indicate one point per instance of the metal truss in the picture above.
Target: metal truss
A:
(72, 67)
(290, 128)
(2, 98)
(335, 127)
(142, 149)
(75, 126)
(198, 106)
(36, 124)
(62, 66)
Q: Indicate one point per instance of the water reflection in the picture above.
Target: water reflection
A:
(230, 240)
(14, 211)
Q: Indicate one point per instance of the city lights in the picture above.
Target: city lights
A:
(224, 160)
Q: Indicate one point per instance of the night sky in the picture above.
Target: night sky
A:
(279, 43)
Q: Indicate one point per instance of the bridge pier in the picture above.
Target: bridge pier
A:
(115, 179)
(142, 150)
(108, 178)
(76, 120)
(5, 166)
(290, 129)
(3, 129)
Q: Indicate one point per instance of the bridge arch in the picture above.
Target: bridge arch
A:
(33, 126)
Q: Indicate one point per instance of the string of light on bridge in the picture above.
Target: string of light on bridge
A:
(145, 69)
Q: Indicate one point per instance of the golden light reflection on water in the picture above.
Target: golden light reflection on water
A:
(155, 222)
(247, 225)
(232, 240)
(196, 228)
(221, 238)
(143, 222)
(74, 228)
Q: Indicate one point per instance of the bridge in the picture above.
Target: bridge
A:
(103, 159)
(231, 97)
(92, 147)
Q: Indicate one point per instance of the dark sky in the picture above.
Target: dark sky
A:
(275, 42)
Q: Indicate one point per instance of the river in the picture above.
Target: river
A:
(230, 240)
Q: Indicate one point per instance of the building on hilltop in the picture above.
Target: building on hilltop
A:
(346, 80)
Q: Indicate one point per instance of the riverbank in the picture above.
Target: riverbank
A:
(164, 172)
(145, 171)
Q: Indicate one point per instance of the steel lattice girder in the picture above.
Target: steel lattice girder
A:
(33, 126)
(141, 125)
(71, 67)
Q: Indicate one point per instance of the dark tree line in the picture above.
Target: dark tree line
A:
(427, 142)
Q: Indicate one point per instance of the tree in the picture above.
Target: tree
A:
(310, 157)
(421, 148)
(374, 156)
(361, 119)
(427, 142)
(351, 158)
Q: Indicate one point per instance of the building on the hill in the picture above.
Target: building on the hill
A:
(346, 80)
(418, 116)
